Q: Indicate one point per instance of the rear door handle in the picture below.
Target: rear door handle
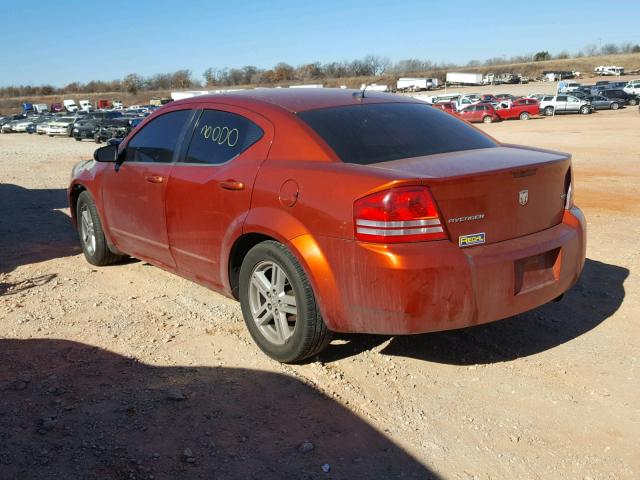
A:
(154, 178)
(231, 185)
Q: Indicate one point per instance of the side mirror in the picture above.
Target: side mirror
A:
(106, 154)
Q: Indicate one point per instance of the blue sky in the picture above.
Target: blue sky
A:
(72, 40)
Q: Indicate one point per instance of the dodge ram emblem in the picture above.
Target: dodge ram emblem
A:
(523, 197)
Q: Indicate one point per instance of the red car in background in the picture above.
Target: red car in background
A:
(522, 108)
(479, 112)
(446, 106)
(325, 210)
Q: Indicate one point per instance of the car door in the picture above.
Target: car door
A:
(561, 103)
(209, 192)
(468, 113)
(134, 195)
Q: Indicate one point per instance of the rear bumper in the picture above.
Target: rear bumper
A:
(432, 286)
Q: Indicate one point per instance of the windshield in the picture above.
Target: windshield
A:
(373, 133)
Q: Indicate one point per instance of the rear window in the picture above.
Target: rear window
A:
(373, 133)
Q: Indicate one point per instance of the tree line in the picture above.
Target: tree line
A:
(370, 66)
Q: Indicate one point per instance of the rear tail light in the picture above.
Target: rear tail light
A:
(404, 214)
(568, 189)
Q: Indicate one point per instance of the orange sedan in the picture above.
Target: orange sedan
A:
(334, 211)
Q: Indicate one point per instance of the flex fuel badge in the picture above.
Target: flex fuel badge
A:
(471, 239)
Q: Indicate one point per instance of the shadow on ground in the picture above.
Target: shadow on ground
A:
(597, 296)
(32, 228)
(71, 410)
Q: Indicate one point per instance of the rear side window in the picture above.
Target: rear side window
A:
(373, 133)
(158, 139)
(220, 136)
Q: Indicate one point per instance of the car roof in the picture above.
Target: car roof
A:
(299, 99)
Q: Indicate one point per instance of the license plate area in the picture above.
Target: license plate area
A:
(537, 271)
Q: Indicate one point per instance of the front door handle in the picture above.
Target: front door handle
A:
(231, 185)
(154, 178)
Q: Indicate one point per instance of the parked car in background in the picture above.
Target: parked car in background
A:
(60, 126)
(570, 87)
(522, 108)
(633, 87)
(446, 106)
(86, 105)
(628, 98)
(117, 105)
(552, 104)
(56, 107)
(85, 128)
(479, 112)
(20, 126)
(505, 96)
(113, 128)
(600, 102)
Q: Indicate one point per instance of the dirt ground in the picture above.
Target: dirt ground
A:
(128, 372)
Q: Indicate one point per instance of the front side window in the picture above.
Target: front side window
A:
(158, 139)
(372, 133)
(221, 136)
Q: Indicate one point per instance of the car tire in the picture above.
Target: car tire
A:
(525, 116)
(615, 106)
(78, 139)
(633, 102)
(584, 110)
(548, 111)
(487, 119)
(283, 335)
(92, 239)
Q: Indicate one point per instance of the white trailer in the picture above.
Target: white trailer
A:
(415, 84)
(374, 87)
(309, 85)
(459, 78)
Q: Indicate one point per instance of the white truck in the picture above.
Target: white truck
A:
(458, 78)
(70, 105)
(416, 84)
(86, 105)
(40, 107)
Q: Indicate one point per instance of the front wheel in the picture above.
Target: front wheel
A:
(615, 106)
(525, 116)
(92, 239)
(548, 111)
(278, 304)
(584, 110)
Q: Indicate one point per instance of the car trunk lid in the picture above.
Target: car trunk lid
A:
(493, 194)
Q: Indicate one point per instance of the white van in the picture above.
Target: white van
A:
(85, 105)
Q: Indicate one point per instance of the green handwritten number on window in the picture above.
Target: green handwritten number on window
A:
(221, 135)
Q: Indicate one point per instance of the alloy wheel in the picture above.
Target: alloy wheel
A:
(272, 302)
(87, 230)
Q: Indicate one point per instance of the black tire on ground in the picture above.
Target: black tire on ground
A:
(548, 111)
(525, 116)
(585, 110)
(101, 254)
(487, 119)
(78, 139)
(633, 102)
(310, 335)
(615, 106)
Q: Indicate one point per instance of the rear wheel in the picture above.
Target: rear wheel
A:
(633, 101)
(548, 111)
(78, 139)
(278, 304)
(92, 239)
(487, 119)
(525, 116)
